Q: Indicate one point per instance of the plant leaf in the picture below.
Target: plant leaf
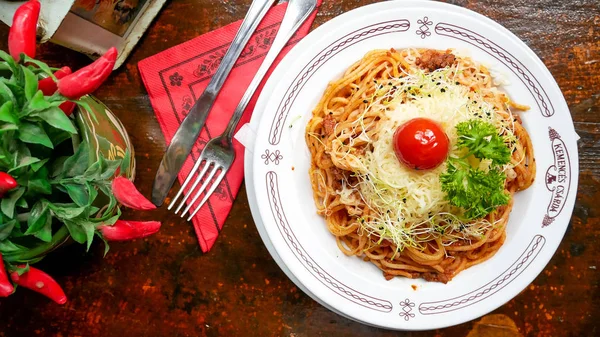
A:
(5, 70)
(38, 165)
(45, 233)
(93, 210)
(34, 134)
(108, 215)
(92, 193)
(23, 161)
(40, 185)
(112, 220)
(125, 162)
(7, 246)
(22, 203)
(38, 102)
(14, 145)
(77, 232)
(56, 117)
(57, 136)
(9, 61)
(31, 83)
(106, 245)
(6, 228)
(6, 94)
(43, 66)
(111, 169)
(77, 164)
(96, 169)
(37, 217)
(8, 127)
(90, 229)
(112, 200)
(8, 203)
(18, 93)
(58, 166)
(66, 213)
(7, 114)
(78, 193)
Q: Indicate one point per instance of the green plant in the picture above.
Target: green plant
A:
(57, 187)
(51, 187)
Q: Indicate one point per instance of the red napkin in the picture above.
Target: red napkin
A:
(176, 77)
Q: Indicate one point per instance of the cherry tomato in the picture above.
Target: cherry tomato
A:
(421, 144)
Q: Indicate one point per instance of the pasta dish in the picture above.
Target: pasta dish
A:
(415, 157)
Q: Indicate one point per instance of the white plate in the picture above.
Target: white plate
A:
(298, 238)
(250, 191)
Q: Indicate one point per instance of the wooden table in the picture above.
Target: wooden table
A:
(164, 285)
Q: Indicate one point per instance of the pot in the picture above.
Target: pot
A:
(107, 136)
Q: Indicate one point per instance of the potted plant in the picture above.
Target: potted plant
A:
(66, 163)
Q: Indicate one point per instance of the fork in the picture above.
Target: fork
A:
(218, 154)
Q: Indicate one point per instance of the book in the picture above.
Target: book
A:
(92, 26)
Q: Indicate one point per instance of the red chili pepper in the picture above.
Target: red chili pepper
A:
(67, 107)
(40, 282)
(7, 183)
(87, 79)
(126, 193)
(21, 37)
(124, 230)
(49, 87)
(6, 287)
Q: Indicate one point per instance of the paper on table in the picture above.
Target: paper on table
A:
(246, 135)
(176, 77)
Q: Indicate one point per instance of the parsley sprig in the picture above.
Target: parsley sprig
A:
(483, 141)
(476, 191)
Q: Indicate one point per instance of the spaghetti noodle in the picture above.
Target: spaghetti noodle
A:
(395, 217)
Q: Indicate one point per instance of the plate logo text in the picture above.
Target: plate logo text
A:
(558, 178)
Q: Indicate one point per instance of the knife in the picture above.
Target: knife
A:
(189, 130)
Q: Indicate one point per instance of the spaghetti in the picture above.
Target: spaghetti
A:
(392, 216)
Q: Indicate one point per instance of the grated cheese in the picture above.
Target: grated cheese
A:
(409, 206)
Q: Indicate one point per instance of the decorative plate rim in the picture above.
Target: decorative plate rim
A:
(267, 152)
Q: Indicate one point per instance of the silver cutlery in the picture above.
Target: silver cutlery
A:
(218, 154)
(189, 130)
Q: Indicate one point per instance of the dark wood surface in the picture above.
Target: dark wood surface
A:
(164, 285)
